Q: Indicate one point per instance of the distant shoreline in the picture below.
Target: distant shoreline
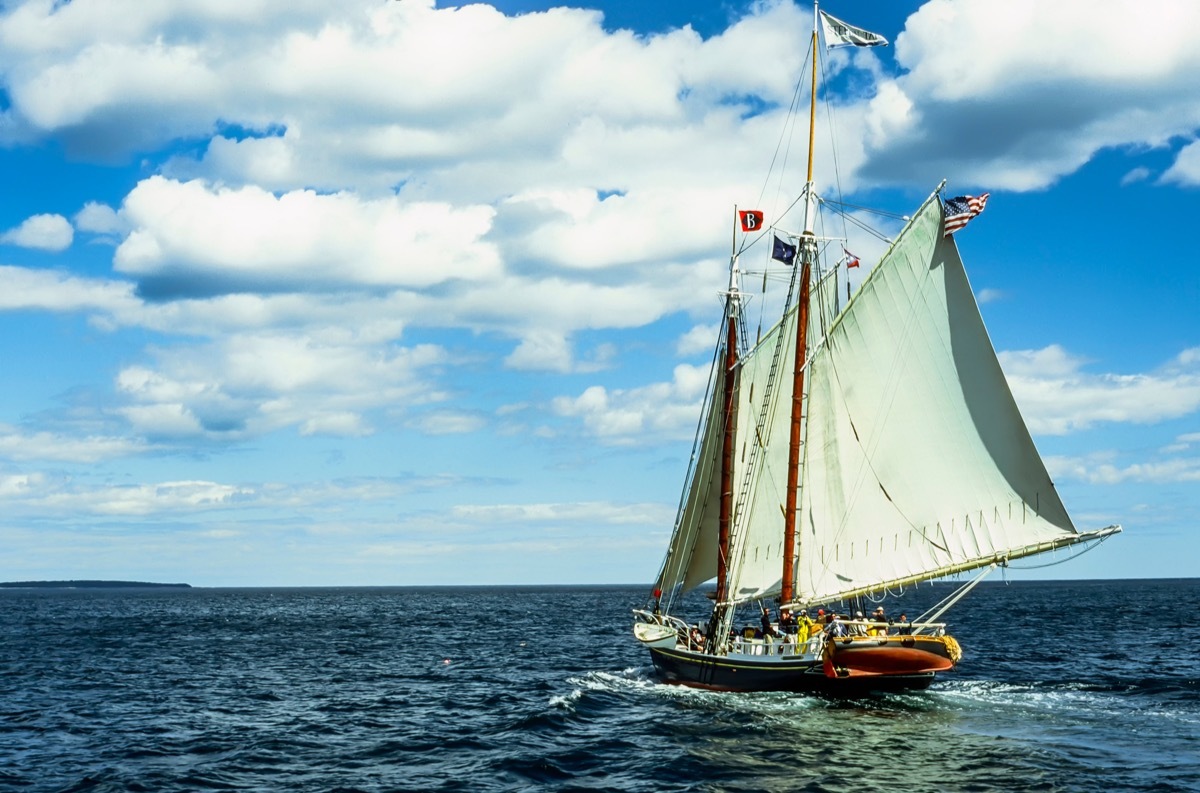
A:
(86, 584)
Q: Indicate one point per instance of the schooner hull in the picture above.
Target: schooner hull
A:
(724, 673)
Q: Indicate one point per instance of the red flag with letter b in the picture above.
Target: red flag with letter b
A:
(752, 219)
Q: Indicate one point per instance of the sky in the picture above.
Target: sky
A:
(403, 292)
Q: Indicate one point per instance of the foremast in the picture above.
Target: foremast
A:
(733, 303)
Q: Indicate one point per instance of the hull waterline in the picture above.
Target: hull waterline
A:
(851, 671)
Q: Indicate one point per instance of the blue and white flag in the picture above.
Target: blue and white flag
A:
(839, 34)
(784, 252)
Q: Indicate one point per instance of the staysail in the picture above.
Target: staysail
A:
(764, 391)
(765, 395)
(692, 554)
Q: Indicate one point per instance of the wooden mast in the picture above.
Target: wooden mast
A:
(808, 252)
(728, 414)
(729, 429)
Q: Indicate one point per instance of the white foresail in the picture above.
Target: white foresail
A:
(764, 410)
(692, 555)
(916, 457)
(760, 462)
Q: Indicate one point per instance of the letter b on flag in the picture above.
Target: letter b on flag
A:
(752, 219)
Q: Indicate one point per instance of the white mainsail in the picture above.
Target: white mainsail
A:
(917, 461)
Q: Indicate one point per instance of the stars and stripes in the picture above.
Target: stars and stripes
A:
(958, 211)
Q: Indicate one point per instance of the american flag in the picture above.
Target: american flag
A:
(961, 209)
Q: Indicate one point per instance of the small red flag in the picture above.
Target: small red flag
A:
(752, 219)
(851, 259)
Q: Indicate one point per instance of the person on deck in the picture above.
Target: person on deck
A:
(858, 629)
(767, 628)
(879, 623)
(904, 629)
(834, 627)
(818, 624)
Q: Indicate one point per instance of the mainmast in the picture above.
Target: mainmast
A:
(808, 254)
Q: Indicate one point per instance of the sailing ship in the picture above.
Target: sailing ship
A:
(851, 451)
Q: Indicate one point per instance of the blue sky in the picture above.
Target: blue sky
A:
(369, 293)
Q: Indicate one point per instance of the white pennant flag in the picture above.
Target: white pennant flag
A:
(838, 33)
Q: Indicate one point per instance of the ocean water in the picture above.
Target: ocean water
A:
(1083, 686)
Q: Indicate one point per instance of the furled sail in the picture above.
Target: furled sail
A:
(917, 461)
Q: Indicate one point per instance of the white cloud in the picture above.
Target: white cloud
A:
(1057, 396)
(700, 339)
(251, 239)
(591, 512)
(45, 232)
(18, 485)
(1100, 469)
(360, 94)
(1135, 175)
(252, 384)
(638, 415)
(47, 446)
(337, 423)
(545, 350)
(167, 497)
(1186, 170)
(51, 291)
(448, 422)
(1048, 87)
(99, 219)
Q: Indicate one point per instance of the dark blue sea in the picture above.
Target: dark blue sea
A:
(1082, 686)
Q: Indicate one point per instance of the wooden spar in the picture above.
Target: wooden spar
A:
(727, 415)
(812, 119)
(787, 591)
(808, 249)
